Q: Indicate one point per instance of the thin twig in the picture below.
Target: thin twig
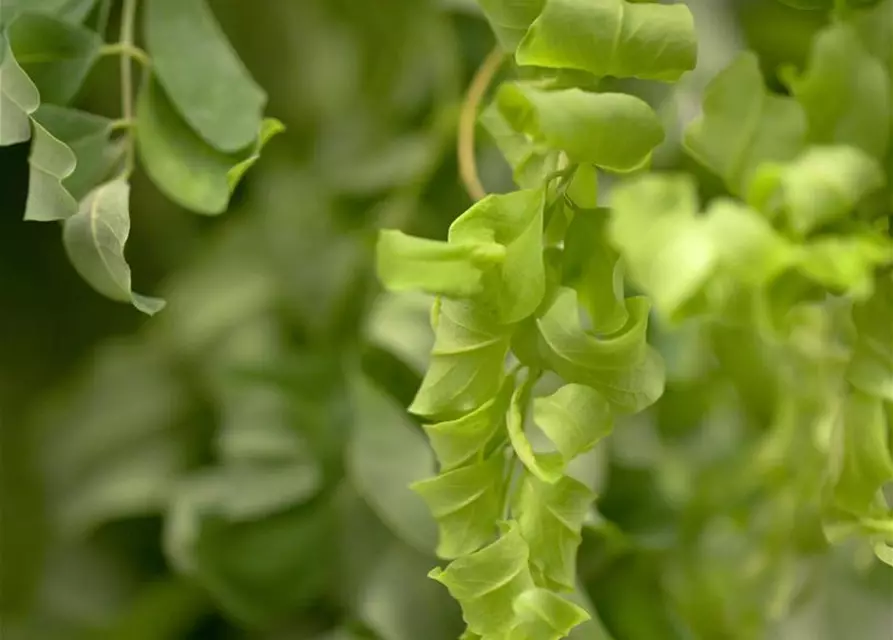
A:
(128, 22)
(468, 170)
(130, 51)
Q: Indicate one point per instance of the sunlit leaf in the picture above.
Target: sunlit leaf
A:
(612, 38)
(545, 615)
(510, 19)
(871, 367)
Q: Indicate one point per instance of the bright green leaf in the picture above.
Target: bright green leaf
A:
(456, 441)
(614, 131)
(861, 455)
(550, 517)
(612, 38)
(594, 269)
(406, 263)
(467, 503)
(94, 240)
(510, 19)
(207, 82)
(515, 289)
(385, 455)
(56, 55)
(181, 165)
(622, 367)
(575, 418)
(821, 186)
(871, 366)
(530, 161)
(545, 615)
(486, 583)
(743, 125)
(845, 92)
(547, 466)
(467, 362)
(845, 263)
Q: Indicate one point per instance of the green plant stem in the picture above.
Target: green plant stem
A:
(128, 22)
(131, 51)
(468, 120)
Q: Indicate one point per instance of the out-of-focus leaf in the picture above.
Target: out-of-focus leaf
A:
(401, 324)
(94, 240)
(510, 19)
(240, 532)
(776, 127)
(385, 455)
(871, 367)
(207, 82)
(74, 11)
(845, 92)
(56, 55)
(19, 98)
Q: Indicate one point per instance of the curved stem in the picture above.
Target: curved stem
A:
(128, 22)
(129, 51)
(468, 119)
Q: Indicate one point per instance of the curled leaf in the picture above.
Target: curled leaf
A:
(612, 38)
(614, 131)
(487, 582)
(545, 615)
(510, 19)
(467, 503)
(94, 241)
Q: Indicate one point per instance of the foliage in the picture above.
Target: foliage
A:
(641, 387)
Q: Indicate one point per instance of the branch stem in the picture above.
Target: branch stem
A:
(468, 170)
(128, 49)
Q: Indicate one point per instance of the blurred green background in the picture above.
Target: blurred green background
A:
(236, 466)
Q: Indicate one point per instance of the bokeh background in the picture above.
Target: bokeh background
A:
(235, 467)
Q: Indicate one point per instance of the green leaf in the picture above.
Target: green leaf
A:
(19, 98)
(575, 418)
(862, 460)
(467, 362)
(51, 162)
(743, 125)
(74, 11)
(207, 82)
(89, 137)
(667, 250)
(455, 442)
(242, 534)
(845, 92)
(614, 131)
(545, 615)
(56, 55)
(845, 263)
(594, 269)
(181, 165)
(486, 583)
(550, 518)
(385, 455)
(530, 161)
(406, 263)
(94, 241)
(622, 367)
(467, 503)
(822, 185)
(612, 38)
(547, 466)
(510, 19)
(514, 289)
(871, 367)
